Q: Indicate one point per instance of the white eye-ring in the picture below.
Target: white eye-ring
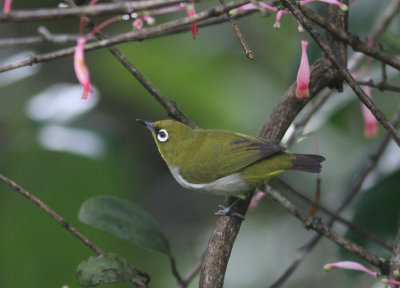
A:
(162, 135)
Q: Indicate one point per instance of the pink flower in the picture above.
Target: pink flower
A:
(388, 281)
(370, 123)
(149, 20)
(277, 23)
(252, 6)
(190, 12)
(333, 2)
(7, 6)
(81, 71)
(138, 23)
(351, 266)
(303, 75)
(256, 199)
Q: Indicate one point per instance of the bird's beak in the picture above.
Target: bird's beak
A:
(148, 124)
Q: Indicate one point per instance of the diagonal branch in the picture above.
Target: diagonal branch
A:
(335, 216)
(317, 225)
(169, 105)
(52, 213)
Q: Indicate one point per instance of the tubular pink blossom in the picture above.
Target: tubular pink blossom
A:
(277, 23)
(303, 75)
(350, 265)
(370, 123)
(251, 6)
(149, 20)
(7, 6)
(190, 12)
(256, 199)
(388, 281)
(81, 71)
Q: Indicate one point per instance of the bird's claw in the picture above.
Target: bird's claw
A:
(228, 211)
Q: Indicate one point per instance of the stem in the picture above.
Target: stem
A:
(239, 34)
(317, 225)
(52, 213)
(119, 7)
(101, 26)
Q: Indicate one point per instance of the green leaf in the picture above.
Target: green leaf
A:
(378, 211)
(107, 268)
(124, 220)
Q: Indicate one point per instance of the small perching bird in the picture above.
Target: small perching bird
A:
(223, 162)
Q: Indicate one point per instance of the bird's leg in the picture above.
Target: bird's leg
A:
(228, 211)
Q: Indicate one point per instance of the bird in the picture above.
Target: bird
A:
(223, 162)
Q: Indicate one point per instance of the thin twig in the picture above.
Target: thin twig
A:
(191, 274)
(343, 71)
(119, 7)
(317, 225)
(239, 34)
(390, 12)
(137, 35)
(54, 38)
(175, 272)
(169, 105)
(52, 213)
(64, 38)
(395, 260)
(381, 85)
(383, 66)
(298, 259)
(335, 216)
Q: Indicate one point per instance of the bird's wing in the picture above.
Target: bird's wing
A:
(245, 150)
(229, 153)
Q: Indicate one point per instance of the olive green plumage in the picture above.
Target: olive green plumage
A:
(223, 162)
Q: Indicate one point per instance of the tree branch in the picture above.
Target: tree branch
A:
(336, 217)
(381, 85)
(120, 7)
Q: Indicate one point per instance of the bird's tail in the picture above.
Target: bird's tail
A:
(307, 163)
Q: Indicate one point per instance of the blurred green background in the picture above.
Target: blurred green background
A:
(65, 150)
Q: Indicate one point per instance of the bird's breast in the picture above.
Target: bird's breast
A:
(232, 185)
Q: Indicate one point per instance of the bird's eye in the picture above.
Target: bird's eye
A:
(162, 135)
